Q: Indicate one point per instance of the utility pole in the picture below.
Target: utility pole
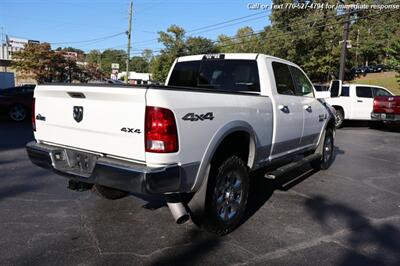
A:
(129, 42)
(358, 39)
(344, 44)
(2, 43)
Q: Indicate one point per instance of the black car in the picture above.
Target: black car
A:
(16, 102)
(378, 68)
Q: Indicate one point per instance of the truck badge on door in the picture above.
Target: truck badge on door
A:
(78, 113)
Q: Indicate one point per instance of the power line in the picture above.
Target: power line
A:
(294, 32)
(229, 21)
(305, 29)
(209, 26)
(91, 40)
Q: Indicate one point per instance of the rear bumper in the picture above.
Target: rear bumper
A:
(387, 118)
(132, 177)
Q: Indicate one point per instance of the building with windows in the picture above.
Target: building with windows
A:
(12, 45)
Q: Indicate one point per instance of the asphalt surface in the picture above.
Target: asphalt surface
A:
(347, 215)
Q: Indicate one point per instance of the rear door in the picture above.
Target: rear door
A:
(288, 112)
(362, 103)
(314, 113)
(101, 119)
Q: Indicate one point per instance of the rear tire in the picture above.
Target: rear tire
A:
(109, 193)
(226, 197)
(339, 118)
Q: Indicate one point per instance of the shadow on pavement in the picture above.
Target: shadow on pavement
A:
(14, 135)
(261, 188)
(12, 191)
(201, 244)
(381, 240)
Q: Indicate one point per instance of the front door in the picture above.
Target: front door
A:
(362, 103)
(314, 113)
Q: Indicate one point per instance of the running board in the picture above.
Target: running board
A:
(292, 166)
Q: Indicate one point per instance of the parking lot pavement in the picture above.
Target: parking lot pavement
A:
(347, 215)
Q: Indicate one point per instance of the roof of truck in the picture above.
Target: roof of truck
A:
(243, 56)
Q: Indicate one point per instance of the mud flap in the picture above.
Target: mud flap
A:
(198, 202)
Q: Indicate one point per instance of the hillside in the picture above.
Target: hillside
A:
(385, 79)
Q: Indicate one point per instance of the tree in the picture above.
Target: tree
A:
(40, 62)
(177, 44)
(93, 57)
(394, 58)
(200, 45)
(244, 41)
(110, 56)
(174, 43)
(138, 64)
(147, 55)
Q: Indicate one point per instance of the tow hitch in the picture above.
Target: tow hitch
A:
(79, 186)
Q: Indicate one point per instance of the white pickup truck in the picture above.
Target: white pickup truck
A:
(195, 140)
(355, 102)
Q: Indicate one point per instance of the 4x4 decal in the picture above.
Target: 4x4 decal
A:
(198, 117)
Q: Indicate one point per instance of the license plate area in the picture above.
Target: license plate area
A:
(74, 162)
(390, 116)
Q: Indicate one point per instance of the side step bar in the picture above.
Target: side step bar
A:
(292, 166)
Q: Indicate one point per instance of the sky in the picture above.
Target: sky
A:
(89, 24)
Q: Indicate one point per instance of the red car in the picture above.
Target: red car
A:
(16, 102)
(386, 109)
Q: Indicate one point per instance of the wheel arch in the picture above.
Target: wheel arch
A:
(339, 107)
(232, 130)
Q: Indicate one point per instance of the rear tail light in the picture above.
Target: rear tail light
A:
(161, 135)
(33, 115)
(377, 108)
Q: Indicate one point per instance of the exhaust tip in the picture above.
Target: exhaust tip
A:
(179, 212)
(183, 219)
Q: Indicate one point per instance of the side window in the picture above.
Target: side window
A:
(303, 86)
(283, 79)
(364, 92)
(380, 92)
(345, 91)
(185, 74)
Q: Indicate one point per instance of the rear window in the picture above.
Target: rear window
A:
(218, 74)
(364, 92)
(380, 92)
(345, 91)
(283, 79)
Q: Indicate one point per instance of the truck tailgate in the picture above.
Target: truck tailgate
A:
(112, 119)
(387, 104)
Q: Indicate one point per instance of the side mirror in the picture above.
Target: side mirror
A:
(335, 88)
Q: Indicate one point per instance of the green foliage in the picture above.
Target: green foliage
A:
(311, 38)
(394, 57)
(111, 56)
(45, 65)
(200, 45)
(177, 44)
(139, 64)
(40, 62)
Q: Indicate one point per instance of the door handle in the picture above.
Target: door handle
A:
(284, 108)
(359, 101)
(308, 108)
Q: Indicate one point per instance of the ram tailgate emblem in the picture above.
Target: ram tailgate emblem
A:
(78, 113)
